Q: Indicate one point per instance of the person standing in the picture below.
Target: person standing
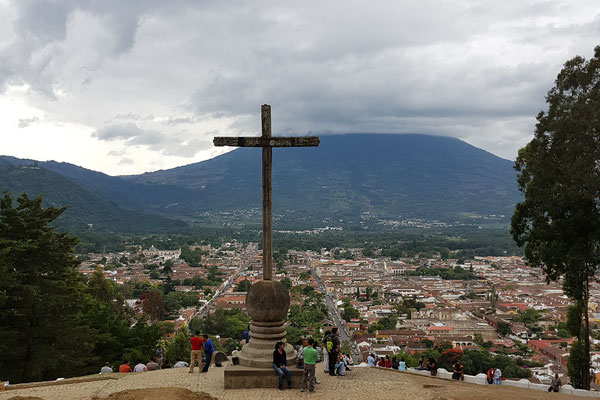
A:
(159, 357)
(208, 352)
(310, 362)
(497, 376)
(300, 354)
(432, 366)
(196, 354)
(280, 365)
(333, 348)
(246, 335)
(324, 351)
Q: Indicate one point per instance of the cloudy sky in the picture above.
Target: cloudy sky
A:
(131, 86)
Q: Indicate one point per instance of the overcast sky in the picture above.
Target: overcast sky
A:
(125, 86)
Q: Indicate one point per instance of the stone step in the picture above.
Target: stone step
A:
(239, 377)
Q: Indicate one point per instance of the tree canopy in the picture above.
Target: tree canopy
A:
(558, 221)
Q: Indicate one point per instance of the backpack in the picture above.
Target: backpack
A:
(329, 344)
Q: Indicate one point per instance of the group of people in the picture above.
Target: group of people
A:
(156, 363)
(335, 363)
(199, 345)
(494, 376)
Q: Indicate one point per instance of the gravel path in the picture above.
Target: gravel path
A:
(361, 383)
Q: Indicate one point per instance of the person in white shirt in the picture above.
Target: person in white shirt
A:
(181, 364)
(497, 376)
(371, 360)
(140, 367)
(106, 369)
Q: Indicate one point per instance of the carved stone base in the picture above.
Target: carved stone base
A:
(241, 377)
(267, 303)
(263, 337)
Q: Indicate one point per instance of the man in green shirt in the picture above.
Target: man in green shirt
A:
(310, 360)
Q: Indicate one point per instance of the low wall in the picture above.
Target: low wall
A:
(481, 379)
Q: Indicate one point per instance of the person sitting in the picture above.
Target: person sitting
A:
(401, 365)
(422, 365)
(140, 367)
(371, 360)
(346, 359)
(181, 364)
(339, 365)
(106, 369)
(555, 384)
(490, 375)
(381, 362)
(395, 363)
(152, 366)
(280, 365)
(458, 371)
(387, 363)
(124, 368)
(349, 360)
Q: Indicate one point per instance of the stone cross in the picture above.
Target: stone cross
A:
(267, 142)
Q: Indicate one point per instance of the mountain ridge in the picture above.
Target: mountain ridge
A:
(346, 177)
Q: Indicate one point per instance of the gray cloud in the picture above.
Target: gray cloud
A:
(126, 161)
(119, 132)
(142, 71)
(25, 122)
(188, 149)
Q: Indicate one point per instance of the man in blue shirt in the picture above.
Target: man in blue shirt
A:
(208, 352)
(371, 360)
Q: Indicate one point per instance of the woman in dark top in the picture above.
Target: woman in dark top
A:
(280, 365)
(432, 366)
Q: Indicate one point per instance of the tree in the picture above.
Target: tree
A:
(243, 286)
(559, 219)
(287, 283)
(503, 328)
(42, 300)
(168, 268)
(178, 348)
(153, 305)
(349, 313)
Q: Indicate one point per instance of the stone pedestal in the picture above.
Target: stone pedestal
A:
(241, 377)
(267, 303)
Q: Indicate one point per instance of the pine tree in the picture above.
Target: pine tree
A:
(42, 332)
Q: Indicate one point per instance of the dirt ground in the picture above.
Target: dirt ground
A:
(360, 383)
(158, 394)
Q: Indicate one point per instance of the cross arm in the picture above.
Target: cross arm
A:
(277, 141)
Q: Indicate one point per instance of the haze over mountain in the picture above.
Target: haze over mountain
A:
(348, 178)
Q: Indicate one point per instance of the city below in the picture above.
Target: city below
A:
(404, 308)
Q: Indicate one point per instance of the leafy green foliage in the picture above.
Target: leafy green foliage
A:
(225, 323)
(178, 348)
(41, 319)
(52, 324)
(456, 273)
(193, 258)
(503, 328)
(559, 220)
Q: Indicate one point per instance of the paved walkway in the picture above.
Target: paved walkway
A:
(361, 383)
